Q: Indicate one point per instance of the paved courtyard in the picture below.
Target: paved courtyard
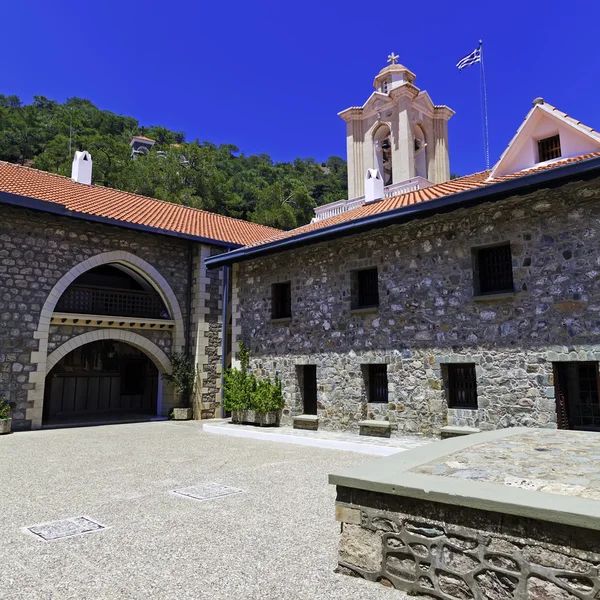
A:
(277, 539)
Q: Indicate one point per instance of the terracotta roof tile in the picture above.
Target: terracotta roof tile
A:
(131, 208)
(477, 180)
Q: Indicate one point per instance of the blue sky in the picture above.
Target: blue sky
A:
(271, 76)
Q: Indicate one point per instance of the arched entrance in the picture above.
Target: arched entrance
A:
(128, 283)
(102, 380)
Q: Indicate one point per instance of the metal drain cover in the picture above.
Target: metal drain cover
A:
(65, 528)
(207, 491)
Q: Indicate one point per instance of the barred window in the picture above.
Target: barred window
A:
(365, 288)
(461, 386)
(493, 270)
(376, 383)
(281, 300)
(549, 148)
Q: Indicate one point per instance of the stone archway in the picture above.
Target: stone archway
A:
(154, 353)
(160, 360)
(39, 358)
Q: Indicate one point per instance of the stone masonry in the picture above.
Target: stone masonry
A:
(36, 251)
(427, 549)
(428, 315)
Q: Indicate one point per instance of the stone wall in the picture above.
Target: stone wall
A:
(207, 332)
(428, 316)
(36, 251)
(427, 548)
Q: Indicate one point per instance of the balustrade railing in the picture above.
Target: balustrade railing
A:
(92, 300)
(341, 206)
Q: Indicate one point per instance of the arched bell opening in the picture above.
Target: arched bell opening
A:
(382, 141)
(420, 153)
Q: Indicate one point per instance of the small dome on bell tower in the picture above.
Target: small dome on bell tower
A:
(393, 76)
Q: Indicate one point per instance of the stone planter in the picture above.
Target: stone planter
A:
(182, 414)
(5, 426)
(251, 417)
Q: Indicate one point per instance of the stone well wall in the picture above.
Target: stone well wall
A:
(451, 552)
(428, 316)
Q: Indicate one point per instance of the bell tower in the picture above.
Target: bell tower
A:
(399, 132)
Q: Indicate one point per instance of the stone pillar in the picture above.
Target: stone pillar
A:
(355, 147)
(207, 319)
(441, 171)
(403, 159)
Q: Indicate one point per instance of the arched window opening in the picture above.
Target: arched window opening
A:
(112, 289)
(383, 154)
(420, 153)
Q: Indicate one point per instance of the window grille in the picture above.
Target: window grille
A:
(377, 385)
(461, 386)
(493, 270)
(366, 292)
(549, 148)
(281, 299)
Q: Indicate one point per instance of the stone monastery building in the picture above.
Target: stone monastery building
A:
(421, 302)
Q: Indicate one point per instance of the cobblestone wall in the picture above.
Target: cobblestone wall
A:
(428, 315)
(425, 548)
(36, 250)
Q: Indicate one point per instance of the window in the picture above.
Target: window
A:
(376, 383)
(492, 270)
(365, 288)
(281, 300)
(549, 148)
(461, 386)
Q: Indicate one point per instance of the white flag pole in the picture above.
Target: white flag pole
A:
(485, 108)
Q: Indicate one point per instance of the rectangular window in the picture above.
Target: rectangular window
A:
(365, 288)
(376, 383)
(549, 148)
(281, 300)
(307, 376)
(493, 270)
(461, 386)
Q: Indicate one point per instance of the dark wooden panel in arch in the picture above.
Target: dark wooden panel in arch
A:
(101, 378)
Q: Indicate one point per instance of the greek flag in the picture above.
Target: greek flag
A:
(469, 59)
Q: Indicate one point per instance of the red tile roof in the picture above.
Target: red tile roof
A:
(461, 184)
(131, 208)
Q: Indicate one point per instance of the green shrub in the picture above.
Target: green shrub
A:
(183, 375)
(4, 408)
(244, 391)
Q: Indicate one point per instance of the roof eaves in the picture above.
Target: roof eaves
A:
(60, 209)
(462, 199)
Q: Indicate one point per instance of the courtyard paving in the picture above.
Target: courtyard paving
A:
(276, 539)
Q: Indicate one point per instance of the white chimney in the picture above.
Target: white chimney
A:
(82, 168)
(373, 186)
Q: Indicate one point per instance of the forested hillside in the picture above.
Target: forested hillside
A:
(45, 134)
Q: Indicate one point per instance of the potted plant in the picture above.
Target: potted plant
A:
(5, 420)
(183, 378)
(250, 399)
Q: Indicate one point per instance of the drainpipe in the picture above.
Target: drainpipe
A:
(224, 331)
(188, 302)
